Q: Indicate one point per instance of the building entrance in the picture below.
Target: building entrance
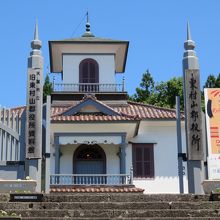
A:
(89, 159)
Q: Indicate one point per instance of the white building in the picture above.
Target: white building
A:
(95, 135)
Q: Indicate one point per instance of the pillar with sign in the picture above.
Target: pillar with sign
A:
(192, 102)
(34, 111)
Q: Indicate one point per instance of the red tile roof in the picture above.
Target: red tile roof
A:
(145, 111)
(131, 111)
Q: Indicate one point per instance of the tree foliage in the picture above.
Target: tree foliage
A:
(160, 94)
(145, 90)
(164, 93)
(212, 81)
(47, 88)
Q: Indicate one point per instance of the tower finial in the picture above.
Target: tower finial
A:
(190, 60)
(189, 43)
(36, 34)
(88, 32)
(188, 32)
(87, 17)
(36, 43)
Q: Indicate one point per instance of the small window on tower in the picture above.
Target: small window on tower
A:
(89, 75)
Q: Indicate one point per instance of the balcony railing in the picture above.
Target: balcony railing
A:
(91, 179)
(87, 87)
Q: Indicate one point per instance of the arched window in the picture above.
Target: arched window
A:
(88, 71)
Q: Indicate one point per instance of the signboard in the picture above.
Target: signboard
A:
(34, 114)
(212, 105)
(26, 197)
(193, 115)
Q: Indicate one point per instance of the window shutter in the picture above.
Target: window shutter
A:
(88, 71)
(143, 160)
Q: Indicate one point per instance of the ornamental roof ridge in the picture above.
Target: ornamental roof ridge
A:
(93, 97)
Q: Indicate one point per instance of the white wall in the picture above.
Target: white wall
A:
(165, 157)
(106, 67)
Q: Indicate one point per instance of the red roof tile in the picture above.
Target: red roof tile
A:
(17, 111)
(91, 118)
(88, 189)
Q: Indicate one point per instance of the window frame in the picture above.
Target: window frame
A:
(143, 146)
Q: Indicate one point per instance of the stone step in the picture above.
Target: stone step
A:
(110, 205)
(115, 197)
(109, 213)
(120, 197)
(139, 218)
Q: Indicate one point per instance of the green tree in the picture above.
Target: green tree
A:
(166, 92)
(163, 94)
(217, 82)
(146, 88)
(211, 81)
(47, 88)
(175, 88)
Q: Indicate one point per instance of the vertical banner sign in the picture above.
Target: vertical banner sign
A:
(212, 105)
(34, 114)
(193, 115)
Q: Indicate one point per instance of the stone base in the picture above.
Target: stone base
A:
(7, 186)
(210, 186)
(10, 218)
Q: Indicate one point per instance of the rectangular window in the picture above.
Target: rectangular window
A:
(143, 160)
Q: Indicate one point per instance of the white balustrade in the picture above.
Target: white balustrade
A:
(88, 87)
(90, 179)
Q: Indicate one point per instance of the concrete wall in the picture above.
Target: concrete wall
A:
(106, 68)
(12, 172)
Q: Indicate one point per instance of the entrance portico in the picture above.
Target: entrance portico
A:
(90, 155)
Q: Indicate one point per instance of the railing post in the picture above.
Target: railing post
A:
(123, 84)
(131, 175)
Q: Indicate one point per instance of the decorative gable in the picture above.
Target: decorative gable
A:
(90, 104)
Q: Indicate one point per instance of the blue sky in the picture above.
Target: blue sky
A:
(156, 30)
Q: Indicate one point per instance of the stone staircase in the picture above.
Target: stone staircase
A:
(102, 206)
